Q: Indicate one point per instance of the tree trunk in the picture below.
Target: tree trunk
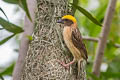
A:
(28, 29)
(47, 46)
(103, 37)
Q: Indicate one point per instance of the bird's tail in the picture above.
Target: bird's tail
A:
(81, 69)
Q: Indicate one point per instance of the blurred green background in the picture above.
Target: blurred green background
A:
(110, 68)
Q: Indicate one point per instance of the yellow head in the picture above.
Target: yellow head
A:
(67, 20)
(69, 17)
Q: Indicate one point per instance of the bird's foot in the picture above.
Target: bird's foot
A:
(63, 64)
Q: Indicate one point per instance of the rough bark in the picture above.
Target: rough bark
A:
(103, 37)
(47, 46)
(28, 29)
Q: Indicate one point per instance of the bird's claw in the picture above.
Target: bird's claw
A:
(63, 64)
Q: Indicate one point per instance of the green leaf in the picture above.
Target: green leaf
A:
(6, 39)
(23, 4)
(10, 27)
(87, 14)
(12, 1)
(3, 13)
(74, 2)
(8, 71)
(30, 37)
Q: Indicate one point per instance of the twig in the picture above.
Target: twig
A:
(97, 39)
(103, 37)
(90, 39)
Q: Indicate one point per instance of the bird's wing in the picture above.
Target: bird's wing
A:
(78, 43)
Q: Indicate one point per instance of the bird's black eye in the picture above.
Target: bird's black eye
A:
(66, 20)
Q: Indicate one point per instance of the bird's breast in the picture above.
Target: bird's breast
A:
(67, 34)
(68, 41)
(67, 37)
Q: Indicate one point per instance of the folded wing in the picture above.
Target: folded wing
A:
(78, 43)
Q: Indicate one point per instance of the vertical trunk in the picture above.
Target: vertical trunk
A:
(103, 37)
(47, 45)
(28, 29)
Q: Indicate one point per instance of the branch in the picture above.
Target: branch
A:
(103, 37)
(90, 38)
(97, 39)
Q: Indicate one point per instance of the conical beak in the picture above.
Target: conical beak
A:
(60, 21)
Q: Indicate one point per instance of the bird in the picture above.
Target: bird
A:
(73, 40)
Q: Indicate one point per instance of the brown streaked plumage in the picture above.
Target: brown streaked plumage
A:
(73, 39)
(78, 43)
